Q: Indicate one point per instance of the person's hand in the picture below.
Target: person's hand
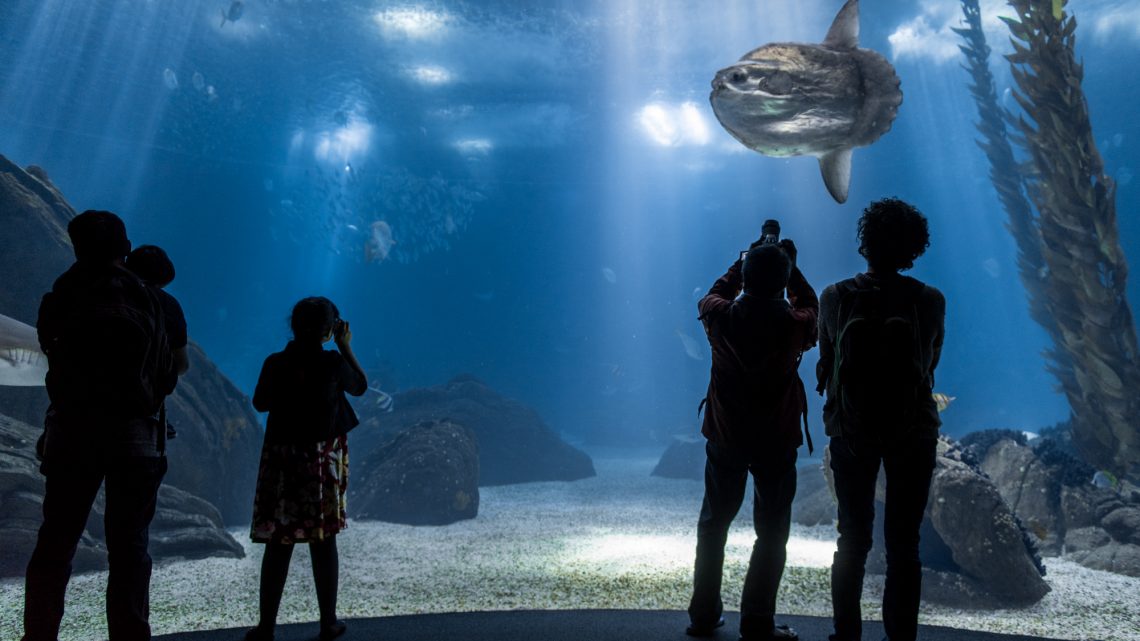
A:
(790, 249)
(344, 336)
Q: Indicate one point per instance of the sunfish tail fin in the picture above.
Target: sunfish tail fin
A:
(844, 32)
(836, 169)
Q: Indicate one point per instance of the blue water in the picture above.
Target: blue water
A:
(549, 237)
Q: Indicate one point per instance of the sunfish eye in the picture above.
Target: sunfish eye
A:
(738, 76)
(778, 83)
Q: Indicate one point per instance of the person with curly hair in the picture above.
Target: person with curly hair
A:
(303, 477)
(880, 339)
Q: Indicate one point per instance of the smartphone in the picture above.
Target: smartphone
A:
(743, 254)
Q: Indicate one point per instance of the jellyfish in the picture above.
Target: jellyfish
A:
(170, 79)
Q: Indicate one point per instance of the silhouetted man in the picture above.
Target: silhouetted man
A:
(880, 340)
(753, 409)
(114, 352)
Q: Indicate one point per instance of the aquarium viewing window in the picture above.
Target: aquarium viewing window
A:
(499, 309)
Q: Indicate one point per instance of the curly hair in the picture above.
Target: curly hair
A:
(892, 234)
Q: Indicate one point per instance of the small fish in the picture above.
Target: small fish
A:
(609, 274)
(384, 400)
(692, 348)
(942, 401)
(234, 13)
(1104, 480)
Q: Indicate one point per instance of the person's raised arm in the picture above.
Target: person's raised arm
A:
(353, 378)
(723, 292)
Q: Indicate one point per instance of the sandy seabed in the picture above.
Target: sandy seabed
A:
(622, 539)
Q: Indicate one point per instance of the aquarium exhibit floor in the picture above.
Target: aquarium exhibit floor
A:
(565, 625)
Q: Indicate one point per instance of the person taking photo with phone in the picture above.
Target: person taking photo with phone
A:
(301, 483)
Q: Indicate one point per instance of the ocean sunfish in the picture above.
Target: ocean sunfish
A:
(793, 99)
(21, 361)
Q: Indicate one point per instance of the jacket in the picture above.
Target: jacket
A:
(931, 310)
(302, 387)
(755, 396)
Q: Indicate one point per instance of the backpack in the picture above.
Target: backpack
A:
(113, 359)
(878, 377)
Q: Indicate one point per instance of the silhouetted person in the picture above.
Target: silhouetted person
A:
(111, 346)
(154, 267)
(301, 484)
(753, 410)
(880, 340)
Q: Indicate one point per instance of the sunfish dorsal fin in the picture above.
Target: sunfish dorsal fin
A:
(844, 32)
(836, 169)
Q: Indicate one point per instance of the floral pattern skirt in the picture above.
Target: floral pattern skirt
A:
(300, 492)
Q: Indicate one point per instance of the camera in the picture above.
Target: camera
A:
(770, 232)
(338, 327)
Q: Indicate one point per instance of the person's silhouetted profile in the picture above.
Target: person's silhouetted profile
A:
(301, 484)
(753, 410)
(113, 356)
(880, 337)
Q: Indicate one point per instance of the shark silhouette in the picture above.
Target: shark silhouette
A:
(21, 361)
(793, 99)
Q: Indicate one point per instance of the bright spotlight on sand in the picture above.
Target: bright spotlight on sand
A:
(415, 22)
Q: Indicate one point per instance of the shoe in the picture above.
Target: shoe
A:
(332, 631)
(259, 634)
(778, 633)
(695, 630)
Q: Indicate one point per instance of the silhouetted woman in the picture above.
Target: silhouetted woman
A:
(304, 462)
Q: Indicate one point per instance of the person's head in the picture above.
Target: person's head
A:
(150, 263)
(892, 234)
(766, 270)
(313, 319)
(98, 237)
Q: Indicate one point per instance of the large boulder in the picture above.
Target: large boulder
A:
(987, 542)
(218, 445)
(427, 475)
(184, 525)
(683, 459)
(515, 446)
(1031, 488)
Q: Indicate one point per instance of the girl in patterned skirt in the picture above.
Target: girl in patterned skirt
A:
(304, 462)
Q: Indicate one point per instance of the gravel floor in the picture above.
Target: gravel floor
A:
(620, 540)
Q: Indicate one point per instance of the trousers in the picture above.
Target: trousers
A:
(74, 470)
(726, 475)
(908, 466)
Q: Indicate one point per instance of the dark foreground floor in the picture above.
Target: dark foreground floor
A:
(564, 625)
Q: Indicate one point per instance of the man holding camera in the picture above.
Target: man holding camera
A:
(753, 411)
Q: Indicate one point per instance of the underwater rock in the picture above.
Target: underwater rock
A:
(1121, 558)
(184, 525)
(1030, 488)
(427, 475)
(515, 445)
(1123, 524)
(219, 441)
(683, 459)
(814, 503)
(987, 543)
